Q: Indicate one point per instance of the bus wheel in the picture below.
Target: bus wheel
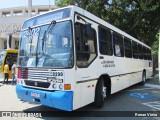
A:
(100, 93)
(143, 78)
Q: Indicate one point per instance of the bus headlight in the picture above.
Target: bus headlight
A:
(54, 86)
(61, 86)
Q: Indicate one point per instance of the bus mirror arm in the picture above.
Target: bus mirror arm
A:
(80, 18)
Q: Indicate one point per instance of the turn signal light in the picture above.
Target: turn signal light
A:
(67, 86)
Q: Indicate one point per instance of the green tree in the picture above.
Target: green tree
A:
(62, 3)
(136, 17)
(155, 46)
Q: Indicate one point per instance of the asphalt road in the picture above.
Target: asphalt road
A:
(135, 99)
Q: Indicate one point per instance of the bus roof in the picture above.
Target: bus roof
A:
(95, 19)
(57, 14)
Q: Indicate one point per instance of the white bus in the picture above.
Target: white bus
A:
(69, 58)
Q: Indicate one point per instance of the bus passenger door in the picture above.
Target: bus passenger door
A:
(86, 52)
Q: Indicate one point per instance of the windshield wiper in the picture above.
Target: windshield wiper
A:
(30, 39)
(49, 30)
(43, 39)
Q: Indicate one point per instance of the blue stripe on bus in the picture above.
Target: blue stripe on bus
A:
(58, 99)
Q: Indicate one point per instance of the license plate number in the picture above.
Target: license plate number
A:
(35, 94)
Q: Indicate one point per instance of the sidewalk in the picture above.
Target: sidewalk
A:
(153, 82)
(1, 81)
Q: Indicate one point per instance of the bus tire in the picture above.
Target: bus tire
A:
(143, 78)
(100, 93)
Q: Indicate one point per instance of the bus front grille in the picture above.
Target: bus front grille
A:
(39, 74)
(37, 84)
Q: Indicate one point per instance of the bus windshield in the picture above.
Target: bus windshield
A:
(40, 47)
(2, 54)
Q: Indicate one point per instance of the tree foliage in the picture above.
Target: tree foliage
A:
(139, 18)
(156, 45)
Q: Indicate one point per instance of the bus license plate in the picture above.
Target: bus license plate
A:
(35, 94)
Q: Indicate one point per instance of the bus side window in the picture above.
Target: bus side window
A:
(135, 49)
(81, 44)
(118, 45)
(140, 51)
(148, 54)
(85, 46)
(105, 41)
(128, 48)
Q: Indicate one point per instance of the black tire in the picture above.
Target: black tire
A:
(143, 78)
(100, 93)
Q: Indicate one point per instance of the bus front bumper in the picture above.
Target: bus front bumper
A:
(58, 99)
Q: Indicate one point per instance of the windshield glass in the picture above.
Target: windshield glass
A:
(2, 54)
(47, 46)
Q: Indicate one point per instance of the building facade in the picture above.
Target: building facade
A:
(11, 21)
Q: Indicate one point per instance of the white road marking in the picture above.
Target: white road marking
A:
(139, 95)
(152, 86)
(155, 105)
(140, 89)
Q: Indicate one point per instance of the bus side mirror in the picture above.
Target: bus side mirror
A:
(88, 30)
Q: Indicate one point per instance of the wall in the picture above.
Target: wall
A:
(11, 20)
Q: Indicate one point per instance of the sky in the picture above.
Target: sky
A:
(18, 3)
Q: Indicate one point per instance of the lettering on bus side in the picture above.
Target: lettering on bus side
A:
(106, 63)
